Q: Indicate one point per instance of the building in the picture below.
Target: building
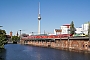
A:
(85, 28)
(64, 29)
(11, 33)
(57, 31)
(79, 30)
(8, 37)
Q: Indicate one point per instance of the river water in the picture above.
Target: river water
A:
(26, 52)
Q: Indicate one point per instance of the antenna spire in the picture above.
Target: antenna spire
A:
(39, 16)
(39, 7)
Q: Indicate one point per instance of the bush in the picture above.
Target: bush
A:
(2, 38)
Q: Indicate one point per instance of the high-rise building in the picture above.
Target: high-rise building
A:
(85, 28)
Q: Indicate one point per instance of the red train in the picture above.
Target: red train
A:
(47, 36)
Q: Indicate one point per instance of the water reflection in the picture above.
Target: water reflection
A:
(38, 56)
(3, 55)
(25, 52)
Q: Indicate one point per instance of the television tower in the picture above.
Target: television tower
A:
(39, 18)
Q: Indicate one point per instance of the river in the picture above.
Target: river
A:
(26, 52)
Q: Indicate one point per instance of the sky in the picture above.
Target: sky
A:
(23, 14)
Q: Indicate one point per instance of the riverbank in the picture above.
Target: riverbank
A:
(2, 50)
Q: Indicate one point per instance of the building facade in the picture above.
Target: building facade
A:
(63, 29)
(79, 30)
(85, 28)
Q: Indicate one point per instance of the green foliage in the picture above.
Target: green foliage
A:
(15, 38)
(72, 28)
(88, 28)
(2, 38)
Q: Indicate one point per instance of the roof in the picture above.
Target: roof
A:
(40, 35)
(66, 25)
(58, 30)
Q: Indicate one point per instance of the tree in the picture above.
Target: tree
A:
(2, 38)
(88, 28)
(72, 28)
(15, 38)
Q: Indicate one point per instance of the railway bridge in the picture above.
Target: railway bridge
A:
(71, 43)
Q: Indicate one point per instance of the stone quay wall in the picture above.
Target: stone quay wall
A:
(75, 45)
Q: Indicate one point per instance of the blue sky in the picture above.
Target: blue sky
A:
(22, 14)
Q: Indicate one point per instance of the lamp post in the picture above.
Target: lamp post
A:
(44, 32)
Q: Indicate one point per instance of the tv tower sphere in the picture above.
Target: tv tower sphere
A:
(39, 16)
